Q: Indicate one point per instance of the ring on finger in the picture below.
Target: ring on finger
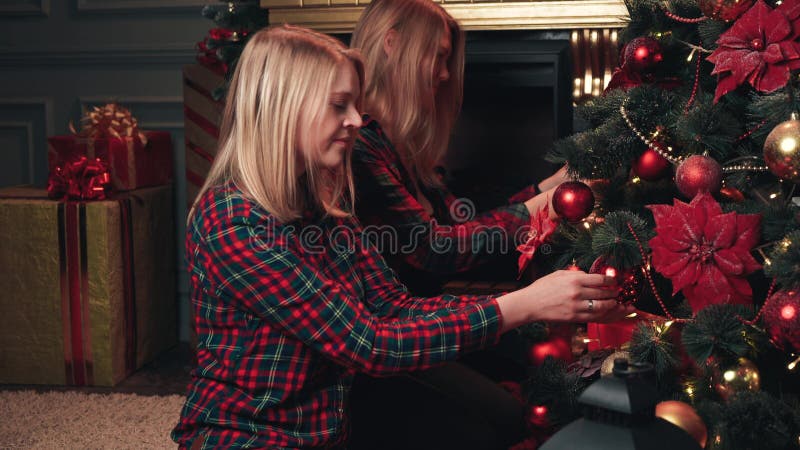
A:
(591, 305)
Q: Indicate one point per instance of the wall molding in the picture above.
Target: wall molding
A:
(44, 103)
(172, 54)
(137, 5)
(27, 128)
(36, 115)
(139, 106)
(25, 8)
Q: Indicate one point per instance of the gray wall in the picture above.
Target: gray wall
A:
(58, 56)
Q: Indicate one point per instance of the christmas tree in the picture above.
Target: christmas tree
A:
(235, 22)
(692, 154)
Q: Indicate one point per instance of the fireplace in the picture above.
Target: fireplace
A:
(517, 101)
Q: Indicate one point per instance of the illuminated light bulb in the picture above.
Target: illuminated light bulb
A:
(690, 392)
(788, 312)
(729, 375)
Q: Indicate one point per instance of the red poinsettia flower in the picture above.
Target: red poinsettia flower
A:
(759, 48)
(705, 252)
(541, 228)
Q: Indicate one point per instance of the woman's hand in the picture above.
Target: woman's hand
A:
(554, 180)
(564, 296)
(538, 202)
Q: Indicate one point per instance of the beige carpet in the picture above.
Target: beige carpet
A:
(74, 420)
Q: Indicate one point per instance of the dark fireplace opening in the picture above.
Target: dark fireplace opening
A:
(517, 101)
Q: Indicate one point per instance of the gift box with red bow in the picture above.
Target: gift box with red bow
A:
(87, 290)
(135, 158)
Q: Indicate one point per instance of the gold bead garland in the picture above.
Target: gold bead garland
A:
(655, 146)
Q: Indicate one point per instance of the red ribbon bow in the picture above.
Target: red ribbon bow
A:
(83, 179)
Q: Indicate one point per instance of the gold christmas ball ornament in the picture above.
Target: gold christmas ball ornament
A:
(685, 417)
(607, 368)
(740, 376)
(782, 150)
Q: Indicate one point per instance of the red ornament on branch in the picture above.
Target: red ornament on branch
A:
(629, 280)
(782, 319)
(705, 252)
(732, 194)
(639, 60)
(697, 174)
(573, 201)
(651, 166)
(725, 10)
(642, 55)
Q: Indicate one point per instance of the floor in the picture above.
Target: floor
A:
(167, 374)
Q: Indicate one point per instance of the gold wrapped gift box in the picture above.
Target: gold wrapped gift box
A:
(87, 290)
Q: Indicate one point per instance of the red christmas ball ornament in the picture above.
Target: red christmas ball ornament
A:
(782, 319)
(698, 173)
(732, 194)
(642, 55)
(573, 200)
(651, 166)
(558, 348)
(725, 10)
(629, 280)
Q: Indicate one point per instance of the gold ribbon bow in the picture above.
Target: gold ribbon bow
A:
(111, 120)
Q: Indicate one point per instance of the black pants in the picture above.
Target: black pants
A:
(448, 407)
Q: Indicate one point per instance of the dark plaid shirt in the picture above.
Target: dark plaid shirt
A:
(430, 244)
(286, 314)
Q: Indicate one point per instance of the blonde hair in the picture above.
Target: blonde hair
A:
(279, 90)
(397, 92)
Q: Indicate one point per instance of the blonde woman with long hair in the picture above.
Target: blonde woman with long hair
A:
(413, 54)
(414, 62)
(289, 303)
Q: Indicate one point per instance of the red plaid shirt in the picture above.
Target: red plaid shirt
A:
(286, 314)
(387, 196)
